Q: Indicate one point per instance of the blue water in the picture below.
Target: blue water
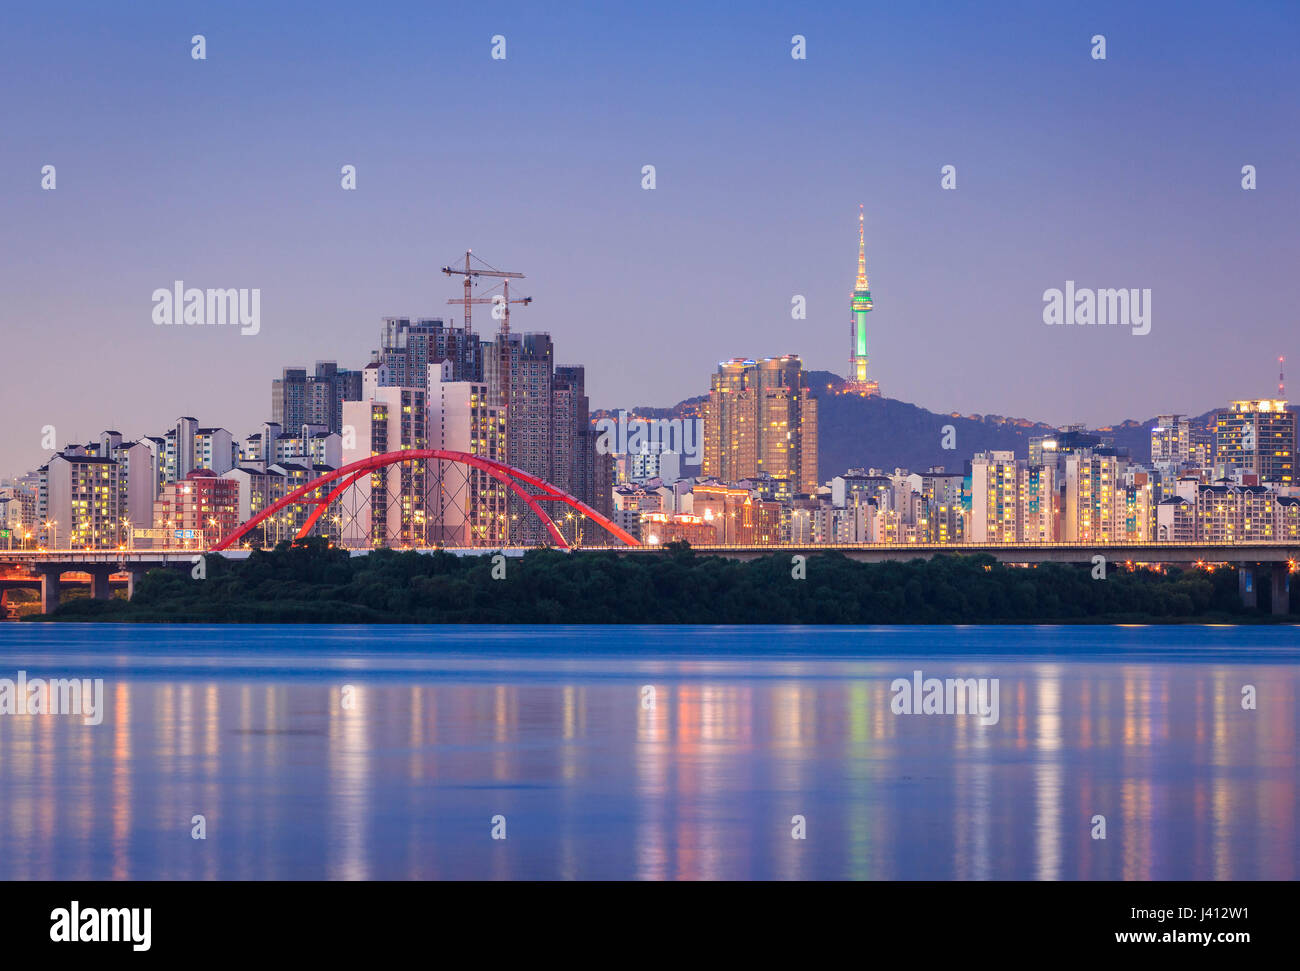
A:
(368, 753)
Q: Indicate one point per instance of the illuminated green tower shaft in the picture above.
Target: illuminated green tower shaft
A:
(861, 307)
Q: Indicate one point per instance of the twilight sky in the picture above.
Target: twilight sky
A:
(225, 173)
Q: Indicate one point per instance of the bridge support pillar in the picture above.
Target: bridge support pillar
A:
(99, 582)
(1246, 586)
(133, 576)
(1281, 588)
(50, 576)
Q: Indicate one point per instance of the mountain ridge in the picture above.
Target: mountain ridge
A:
(887, 433)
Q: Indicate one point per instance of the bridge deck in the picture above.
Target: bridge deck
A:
(1008, 553)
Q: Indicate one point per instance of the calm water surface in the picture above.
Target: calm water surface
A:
(749, 727)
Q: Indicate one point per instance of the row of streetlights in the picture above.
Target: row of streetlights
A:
(50, 526)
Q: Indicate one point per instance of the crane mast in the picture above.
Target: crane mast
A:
(470, 273)
(504, 299)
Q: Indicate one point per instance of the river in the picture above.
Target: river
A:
(652, 753)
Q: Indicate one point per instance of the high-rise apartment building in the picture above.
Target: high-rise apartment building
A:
(520, 374)
(18, 511)
(178, 458)
(941, 492)
(327, 390)
(1171, 440)
(1257, 436)
(760, 419)
(1172, 451)
(1012, 501)
(187, 447)
(469, 504)
(407, 348)
(569, 413)
(289, 397)
(389, 505)
(139, 483)
(603, 483)
(214, 450)
(1106, 499)
(83, 503)
(575, 459)
(298, 398)
(257, 488)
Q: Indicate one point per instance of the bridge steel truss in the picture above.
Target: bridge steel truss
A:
(529, 488)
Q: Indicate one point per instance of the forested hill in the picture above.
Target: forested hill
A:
(884, 433)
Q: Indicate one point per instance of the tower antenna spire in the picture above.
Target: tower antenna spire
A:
(858, 382)
(862, 252)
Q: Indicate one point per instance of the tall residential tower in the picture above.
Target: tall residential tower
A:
(761, 419)
(1257, 436)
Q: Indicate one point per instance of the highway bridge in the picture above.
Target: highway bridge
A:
(1256, 563)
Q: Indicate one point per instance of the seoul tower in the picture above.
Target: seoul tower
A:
(858, 382)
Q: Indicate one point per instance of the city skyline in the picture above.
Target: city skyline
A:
(434, 451)
(1103, 190)
(861, 334)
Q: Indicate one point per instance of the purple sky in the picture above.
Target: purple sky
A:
(225, 173)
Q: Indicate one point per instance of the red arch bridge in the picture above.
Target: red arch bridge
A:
(379, 501)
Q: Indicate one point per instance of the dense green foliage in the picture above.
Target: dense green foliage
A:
(313, 583)
(854, 432)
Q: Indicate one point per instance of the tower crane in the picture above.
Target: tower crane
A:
(503, 299)
(470, 273)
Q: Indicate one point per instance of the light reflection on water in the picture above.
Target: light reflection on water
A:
(247, 727)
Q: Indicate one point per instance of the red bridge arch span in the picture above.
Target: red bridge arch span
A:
(527, 487)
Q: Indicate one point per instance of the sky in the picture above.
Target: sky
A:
(225, 173)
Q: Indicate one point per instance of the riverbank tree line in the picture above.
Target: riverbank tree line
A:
(312, 582)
